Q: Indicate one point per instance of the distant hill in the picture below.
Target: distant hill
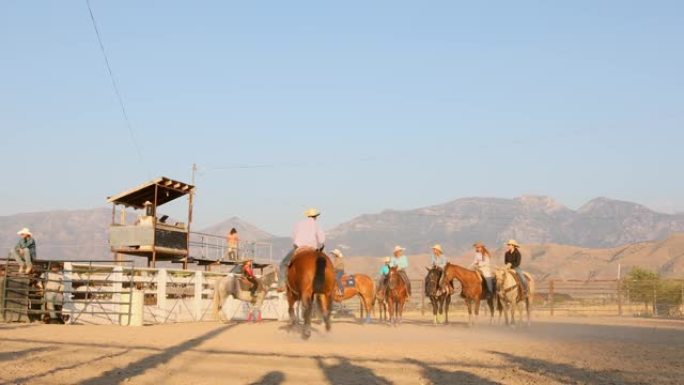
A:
(64, 234)
(456, 225)
(560, 242)
(567, 262)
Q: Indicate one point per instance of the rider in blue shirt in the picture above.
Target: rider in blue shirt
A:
(401, 262)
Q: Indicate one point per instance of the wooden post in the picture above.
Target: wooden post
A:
(197, 301)
(551, 295)
(68, 303)
(619, 297)
(161, 279)
(655, 299)
(117, 288)
(154, 227)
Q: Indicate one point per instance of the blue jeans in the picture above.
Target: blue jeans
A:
(523, 280)
(490, 284)
(283, 267)
(338, 277)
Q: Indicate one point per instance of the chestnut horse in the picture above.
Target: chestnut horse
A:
(440, 298)
(364, 288)
(473, 289)
(396, 294)
(310, 278)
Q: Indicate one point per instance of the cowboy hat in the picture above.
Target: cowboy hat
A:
(513, 243)
(337, 252)
(312, 213)
(388, 259)
(438, 248)
(398, 249)
(24, 231)
(478, 244)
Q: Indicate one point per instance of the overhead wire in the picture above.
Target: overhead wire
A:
(115, 86)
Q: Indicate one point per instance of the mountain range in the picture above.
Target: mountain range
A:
(596, 236)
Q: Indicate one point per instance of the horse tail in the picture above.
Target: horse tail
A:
(319, 275)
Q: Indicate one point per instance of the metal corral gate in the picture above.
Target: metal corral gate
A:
(102, 295)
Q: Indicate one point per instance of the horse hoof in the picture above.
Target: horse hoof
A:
(306, 334)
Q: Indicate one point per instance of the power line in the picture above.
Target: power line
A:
(115, 86)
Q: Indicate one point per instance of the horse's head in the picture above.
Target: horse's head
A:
(433, 280)
(393, 277)
(270, 277)
(445, 278)
(500, 275)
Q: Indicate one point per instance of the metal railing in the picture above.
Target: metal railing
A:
(72, 288)
(214, 247)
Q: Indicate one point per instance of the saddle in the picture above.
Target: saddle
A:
(522, 293)
(245, 285)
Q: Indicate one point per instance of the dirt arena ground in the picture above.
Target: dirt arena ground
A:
(558, 351)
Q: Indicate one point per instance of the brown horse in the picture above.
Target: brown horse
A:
(310, 278)
(396, 294)
(364, 288)
(473, 289)
(440, 298)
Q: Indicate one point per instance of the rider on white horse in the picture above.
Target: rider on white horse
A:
(512, 260)
(307, 233)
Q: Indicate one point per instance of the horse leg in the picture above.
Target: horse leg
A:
(434, 310)
(490, 304)
(527, 306)
(477, 310)
(470, 311)
(306, 303)
(440, 316)
(401, 309)
(447, 302)
(325, 305)
(291, 300)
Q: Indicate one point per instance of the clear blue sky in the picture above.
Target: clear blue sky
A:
(359, 106)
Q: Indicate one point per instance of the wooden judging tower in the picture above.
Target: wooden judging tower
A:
(150, 236)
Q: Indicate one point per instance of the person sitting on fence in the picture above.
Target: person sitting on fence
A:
(233, 240)
(307, 233)
(248, 273)
(52, 284)
(482, 264)
(338, 264)
(24, 252)
(401, 262)
(512, 259)
(438, 257)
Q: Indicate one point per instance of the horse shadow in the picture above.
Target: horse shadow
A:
(565, 373)
(271, 378)
(346, 373)
(438, 376)
(296, 328)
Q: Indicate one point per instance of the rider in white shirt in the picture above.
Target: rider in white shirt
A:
(482, 263)
(307, 233)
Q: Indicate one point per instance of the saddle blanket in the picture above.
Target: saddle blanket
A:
(349, 281)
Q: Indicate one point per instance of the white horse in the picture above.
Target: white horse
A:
(510, 294)
(238, 287)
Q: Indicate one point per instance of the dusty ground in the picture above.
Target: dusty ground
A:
(592, 351)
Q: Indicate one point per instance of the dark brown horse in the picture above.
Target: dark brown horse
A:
(473, 289)
(310, 278)
(364, 288)
(440, 298)
(396, 294)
